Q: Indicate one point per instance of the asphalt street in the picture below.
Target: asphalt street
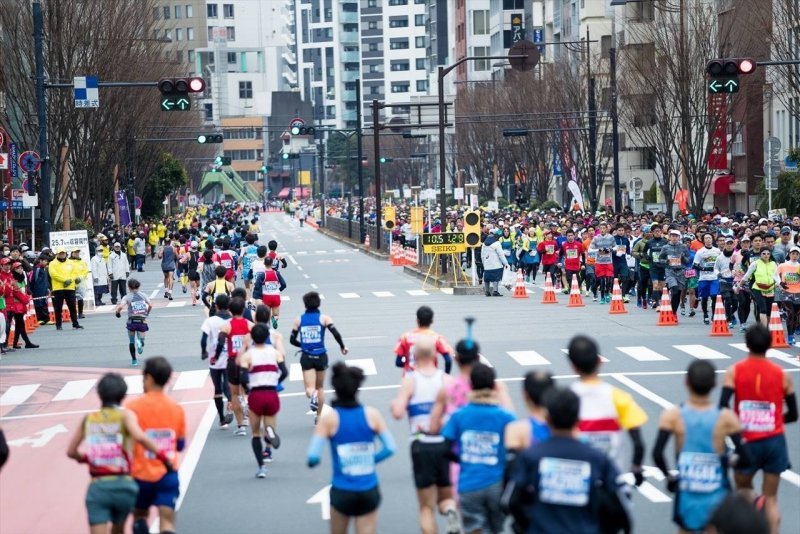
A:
(371, 303)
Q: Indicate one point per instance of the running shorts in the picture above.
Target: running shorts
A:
(480, 509)
(355, 503)
(234, 373)
(318, 363)
(657, 274)
(264, 401)
(136, 325)
(165, 492)
(707, 288)
(604, 270)
(770, 455)
(431, 468)
(110, 499)
(194, 276)
(271, 301)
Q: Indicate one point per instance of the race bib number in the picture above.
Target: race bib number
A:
(564, 482)
(757, 416)
(549, 249)
(139, 307)
(105, 450)
(592, 254)
(357, 459)
(227, 263)
(700, 472)
(572, 254)
(621, 249)
(709, 262)
(164, 438)
(479, 447)
(237, 342)
(674, 261)
(690, 273)
(272, 287)
(310, 334)
(605, 442)
(654, 254)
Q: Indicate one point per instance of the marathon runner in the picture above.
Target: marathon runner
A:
(760, 388)
(674, 256)
(764, 273)
(220, 286)
(169, 257)
(234, 336)
(217, 366)
(404, 350)
(138, 307)
(532, 429)
(705, 261)
(351, 429)
(789, 273)
(310, 329)
(604, 267)
(267, 287)
(657, 266)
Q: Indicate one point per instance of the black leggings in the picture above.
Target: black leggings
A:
(643, 288)
(531, 270)
(743, 310)
(792, 316)
(762, 304)
(19, 328)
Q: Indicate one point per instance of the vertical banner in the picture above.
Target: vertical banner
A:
(718, 120)
(122, 204)
(517, 33)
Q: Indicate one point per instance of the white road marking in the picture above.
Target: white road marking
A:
(285, 298)
(178, 304)
(364, 337)
(528, 357)
(641, 390)
(323, 498)
(190, 380)
(702, 352)
(320, 252)
(416, 292)
(314, 286)
(365, 364)
(295, 372)
(135, 384)
(306, 276)
(154, 293)
(75, 389)
(159, 286)
(791, 477)
(301, 252)
(383, 293)
(772, 353)
(350, 295)
(291, 259)
(602, 358)
(18, 394)
(643, 354)
(484, 361)
(299, 268)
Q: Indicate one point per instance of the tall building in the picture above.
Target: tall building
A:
(181, 26)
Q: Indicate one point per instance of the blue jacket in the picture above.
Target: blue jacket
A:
(40, 282)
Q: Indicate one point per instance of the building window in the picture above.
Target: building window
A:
(155, 34)
(401, 87)
(398, 2)
(513, 4)
(372, 25)
(372, 3)
(480, 22)
(179, 56)
(178, 12)
(167, 35)
(373, 47)
(399, 22)
(166, 12)
(374, 90)
(419, 20)
(179, 34)
(211, 11)
(419, 42)
(400, 66)
(419, 1)
(227, 11)
(398, 44)
(211, 33)
(420, 63)
(232, 57)
(481, 64)
(190, 56)
(376, 67)
(422, 85)
(190, 34)
(245, 89)
(605, 45)
(231, 33)
(208, 111)
(189, 11)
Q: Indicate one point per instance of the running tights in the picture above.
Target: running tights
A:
(531, 269)
(675, 294)
(743, 310)
(258, 449)
(606, 284)
(792, 316)
(644, 288)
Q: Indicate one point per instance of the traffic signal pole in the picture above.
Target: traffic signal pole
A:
(41, 117)
(360, 171)
(376, 129)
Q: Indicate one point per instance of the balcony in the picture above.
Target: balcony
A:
(349, 57)
(289, 57)
(289, 38)
(348, 17)
(349, 115)
(350, 75)
(290, 77)
(348, 96)
(348, 37)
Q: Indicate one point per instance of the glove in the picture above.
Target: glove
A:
(118, 315)
(78, 281)
(399, 361)
(638, 475)
(213, 360)
(204, 355)
(67, 282)
(672, 483)
(279, 388)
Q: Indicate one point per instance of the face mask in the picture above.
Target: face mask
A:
(62, 260)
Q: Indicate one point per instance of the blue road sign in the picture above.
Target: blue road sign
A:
(13, 164)
(791, 165)
(86, 91)
(15, 205)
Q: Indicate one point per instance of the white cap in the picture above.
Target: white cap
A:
(724, 220)
(675, 232)
(794, 249)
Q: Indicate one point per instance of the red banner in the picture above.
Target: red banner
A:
(718, 120)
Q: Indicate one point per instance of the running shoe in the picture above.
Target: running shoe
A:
(743, 327)
(262, 472)
(225, 421)
(139, 345)
(731, 324)
(241, 431)
(272, 437)
(184, 289)
(274, 323)
(625, 299)
(453, 521)
(790, 340)
(683, 310)
(267, 455)
(692, 313)
(134, 362)
(314, 404)
(733, 321)
(594, 298)
(705, 319)
(170, 295)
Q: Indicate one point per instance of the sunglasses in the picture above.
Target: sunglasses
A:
(765, 253)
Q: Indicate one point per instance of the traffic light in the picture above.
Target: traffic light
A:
(389, 217)
(264, 169)
(175, 92)
(472, 228)
(515, 132)
(222, 160)
(210, 138)
(303, 130)
(386, 160)
(417, 220)
(724, 73)
(290, 155)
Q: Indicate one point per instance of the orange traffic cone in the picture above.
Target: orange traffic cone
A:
(50, 311)
(11, 330)
(719, 324)
(393, 254)
(575, 297)
(776, 329)
(519, 290)
(65, 313)
(617, 305)
(549, 296)
(30, 318)
(666, 317)
(366, 241)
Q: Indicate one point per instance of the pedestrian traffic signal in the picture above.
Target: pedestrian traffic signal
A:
(206, 139)
(303, 130)
(472, 228)
(386, 160)
(290, 155)
(222, 160)
(724, 73)
(389, 217)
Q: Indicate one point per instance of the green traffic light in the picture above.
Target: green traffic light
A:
(285, 155)
(201, 139)
(218, 160)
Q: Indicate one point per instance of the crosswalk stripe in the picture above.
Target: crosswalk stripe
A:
(484, 361)
(190, 380)
(135, 384)
(791, 477)
(447, 290)
(366, 364)
(771, 353)
(178, 304)
(350, 295)
(701, 352)
(75, 389)
(383, 293)
(285, 299)
(320, 251)
(528, 357)
(416, 292)
(602, 358)
(301, 252)
(295, 372)
(642, 354)
(18, 394)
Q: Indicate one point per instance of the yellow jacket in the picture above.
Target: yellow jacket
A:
(162, 230)
(152, 237)
(61, 271)
(80, 268)
(129, 244)
(105, 251)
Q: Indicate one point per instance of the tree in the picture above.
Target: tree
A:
(787, 195)
(781, 25)
(169, 176)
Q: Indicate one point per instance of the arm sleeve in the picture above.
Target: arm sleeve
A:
(658, 450)
(221, 341)
(725, 397)
(281, 281)
(638, 445)
(293, 338)
(315, 450)
(791, 408)
(388, 448)
(204, 342)
(284, 372)
(336, 335)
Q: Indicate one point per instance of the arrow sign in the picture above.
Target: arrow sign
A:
(183, 104)
(732, 86)
(167, 104)
(44, 437)
(714, 86)
(323, 497)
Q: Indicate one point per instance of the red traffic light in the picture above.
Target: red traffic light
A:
(197, 85)
(730, 67)
(746, 66)
(171, 86)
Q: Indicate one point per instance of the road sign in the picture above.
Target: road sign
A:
(772, 145)
(791, 165)
(30, 161)
(3, 160)
(2, 138)
(17, 194)
(176, 103)
(772, 168)
(771, 184)
(13, 156)
(635, 184)
(15, 205)
(723, 85)
(86, 91)
(297, 121)
(137, 202)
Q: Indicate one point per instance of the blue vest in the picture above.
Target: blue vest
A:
(312, 334)
(703, 472)
(353, 451)
(539, 430)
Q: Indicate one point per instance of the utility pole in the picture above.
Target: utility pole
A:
(612, 57)
(41, 117)
(321, 154)
(361, 223)
(376, 130)
(592, 108)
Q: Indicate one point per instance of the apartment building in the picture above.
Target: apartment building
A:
(181, 26)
